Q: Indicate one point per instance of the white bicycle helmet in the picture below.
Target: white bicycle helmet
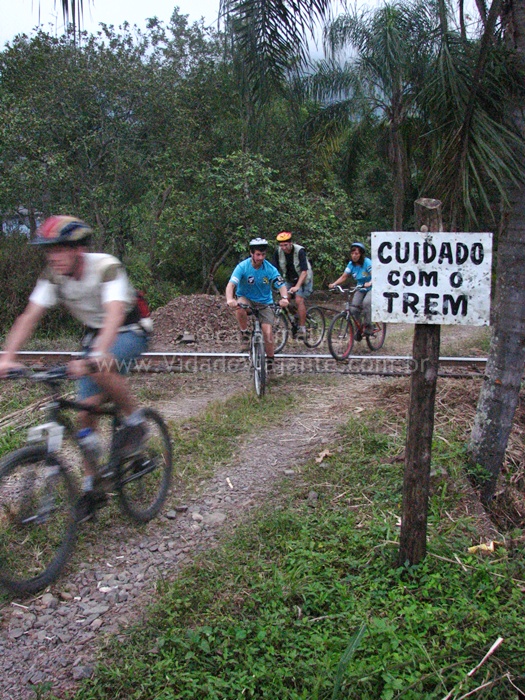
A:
(258, 244)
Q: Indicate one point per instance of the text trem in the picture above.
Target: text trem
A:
(438, 278)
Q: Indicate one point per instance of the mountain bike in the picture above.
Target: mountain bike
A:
(39, 494)
(287, 322)
(347, 327)
(257, 352)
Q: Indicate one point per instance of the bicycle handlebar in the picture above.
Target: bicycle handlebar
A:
(246, 307)
(48, 375)
(341, 290)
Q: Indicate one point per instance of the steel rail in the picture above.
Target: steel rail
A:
(179, 362)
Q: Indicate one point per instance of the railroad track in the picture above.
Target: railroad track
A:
(188, 362)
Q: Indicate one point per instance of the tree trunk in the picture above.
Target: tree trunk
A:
(500, 391)
(153, 252)
(397, 159)
(209, 282)
(420, 423)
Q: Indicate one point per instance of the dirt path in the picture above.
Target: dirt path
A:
(54, 637)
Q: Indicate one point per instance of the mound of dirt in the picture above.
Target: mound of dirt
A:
(200, 321)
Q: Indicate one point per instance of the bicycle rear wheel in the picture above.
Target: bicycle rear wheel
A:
(341, 336)
(259, 366)
(376, 340)
(281, 331)
(144, 479)
(315, 327)
(37, 519)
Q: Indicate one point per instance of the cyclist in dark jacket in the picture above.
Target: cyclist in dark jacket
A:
(293, 264)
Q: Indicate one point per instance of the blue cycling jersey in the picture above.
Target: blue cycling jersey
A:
(360, 273)
(256, 284)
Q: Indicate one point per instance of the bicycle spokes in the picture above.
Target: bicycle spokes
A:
(37, 523)
(144, 479)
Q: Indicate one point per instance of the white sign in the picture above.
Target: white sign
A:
(439, 278)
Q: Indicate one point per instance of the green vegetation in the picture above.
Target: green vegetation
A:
(201, 443)
(305, 602)
(180, 143)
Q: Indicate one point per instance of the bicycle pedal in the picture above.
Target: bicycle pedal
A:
(88, 504)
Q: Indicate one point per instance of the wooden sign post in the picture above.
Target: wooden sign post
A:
(420, 422)
(428, 278)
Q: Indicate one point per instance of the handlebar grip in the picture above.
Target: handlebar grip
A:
(46, 375)
(17, 373)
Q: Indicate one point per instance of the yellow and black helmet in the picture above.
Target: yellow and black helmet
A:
(284, 236)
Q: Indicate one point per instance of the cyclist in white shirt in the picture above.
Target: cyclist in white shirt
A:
(95, 289)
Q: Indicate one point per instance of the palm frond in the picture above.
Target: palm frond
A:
(73, 9)
(330, 82)
(477, 155)
(272, 35)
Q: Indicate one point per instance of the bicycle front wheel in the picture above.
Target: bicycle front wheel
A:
(376, 339)
(281, 330)
(145, 478)
(315, 327)
(259, 366)
(341, 336)
(37, 519)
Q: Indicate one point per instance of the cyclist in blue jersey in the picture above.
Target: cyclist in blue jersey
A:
(360, 268)
(251, 283)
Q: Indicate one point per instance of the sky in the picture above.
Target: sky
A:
(21, 16)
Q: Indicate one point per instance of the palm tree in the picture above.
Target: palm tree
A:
(272, 35)
(502, 382)
(390, 48)
(73, 9)
(474, 152)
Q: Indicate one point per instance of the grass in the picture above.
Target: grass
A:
(200, 444)
(306, 601)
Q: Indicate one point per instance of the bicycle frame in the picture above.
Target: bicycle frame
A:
(57, 426)
(347, 324)
(40, 496)
(314, 326)
(113, 472)
(349, 293)
(257, 351)
(291, 315)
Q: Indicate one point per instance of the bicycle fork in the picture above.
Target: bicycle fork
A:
(255, 357)
(52, 434)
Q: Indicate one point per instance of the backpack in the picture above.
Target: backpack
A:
(140, 313)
